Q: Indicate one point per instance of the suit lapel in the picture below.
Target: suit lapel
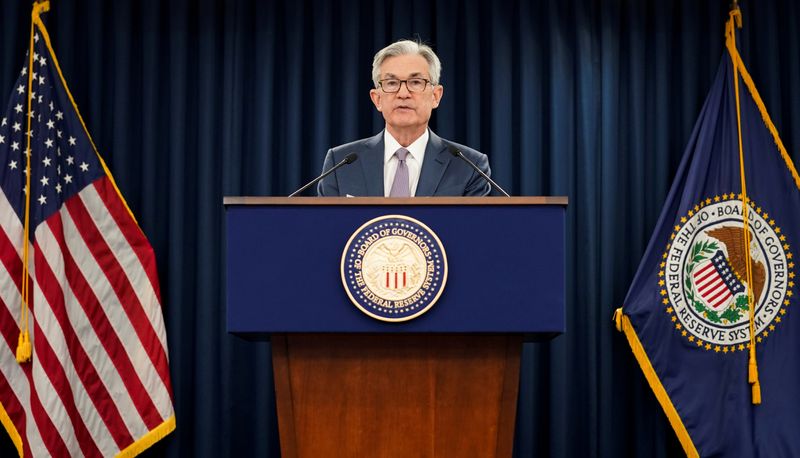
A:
(371, 159)
(433, 166)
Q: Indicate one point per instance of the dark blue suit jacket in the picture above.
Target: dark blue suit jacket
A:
(442, 174)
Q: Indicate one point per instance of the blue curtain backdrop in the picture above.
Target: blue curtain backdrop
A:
(189, 101)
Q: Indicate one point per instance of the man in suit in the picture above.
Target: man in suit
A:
(406, 159)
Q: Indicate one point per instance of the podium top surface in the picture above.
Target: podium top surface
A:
(491, 200)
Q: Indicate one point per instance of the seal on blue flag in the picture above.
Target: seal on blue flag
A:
(702, 279)
(394, 268)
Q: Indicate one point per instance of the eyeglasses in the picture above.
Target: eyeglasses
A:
(412, 84)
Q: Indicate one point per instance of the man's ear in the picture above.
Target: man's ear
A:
(375, 95)
(438, 92)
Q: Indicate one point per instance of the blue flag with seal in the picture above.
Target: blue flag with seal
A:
(711, 315)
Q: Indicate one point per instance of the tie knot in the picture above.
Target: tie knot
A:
(401, 154)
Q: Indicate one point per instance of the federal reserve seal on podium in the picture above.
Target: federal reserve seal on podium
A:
(394, 268)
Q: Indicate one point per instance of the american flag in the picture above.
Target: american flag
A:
(98, 381)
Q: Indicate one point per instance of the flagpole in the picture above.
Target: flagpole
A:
(24, 350)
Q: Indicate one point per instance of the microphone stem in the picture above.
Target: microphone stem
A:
(319, 178)
(483, 174)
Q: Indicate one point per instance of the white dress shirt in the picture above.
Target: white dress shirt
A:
(416, 153)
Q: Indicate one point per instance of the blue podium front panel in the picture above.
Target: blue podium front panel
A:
(505, 266)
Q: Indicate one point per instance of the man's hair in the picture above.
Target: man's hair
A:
(404, 48)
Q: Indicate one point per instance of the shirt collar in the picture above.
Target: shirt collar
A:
(416, 149)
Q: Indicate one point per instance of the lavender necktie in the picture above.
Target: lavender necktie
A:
(400, 183)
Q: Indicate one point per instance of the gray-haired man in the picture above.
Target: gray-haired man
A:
(406, 159)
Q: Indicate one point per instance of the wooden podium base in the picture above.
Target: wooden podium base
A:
(396, 395)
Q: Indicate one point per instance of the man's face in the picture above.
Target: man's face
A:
(406, 110)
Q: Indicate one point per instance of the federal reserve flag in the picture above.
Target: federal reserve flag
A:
(729, 384)
(83, 350)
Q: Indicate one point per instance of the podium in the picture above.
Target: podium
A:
(443, 384)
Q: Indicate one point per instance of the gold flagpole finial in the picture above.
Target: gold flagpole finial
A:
(736, 13)
(41, 6)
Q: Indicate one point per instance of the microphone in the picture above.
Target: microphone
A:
(349, 159)
(456, 152)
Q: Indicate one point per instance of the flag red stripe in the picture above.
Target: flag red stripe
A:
(90, 379)
(50, 435)
(722, 290)
(107, 335)
(11, 260)
(9, 329)
(705, 268)
(15, 412)
(11, 403)
(716, 302)
(711, 285)
(13, 269)
(705, 277)
(704, 273)
(122, 287)
(51, 365)
(132, 232)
